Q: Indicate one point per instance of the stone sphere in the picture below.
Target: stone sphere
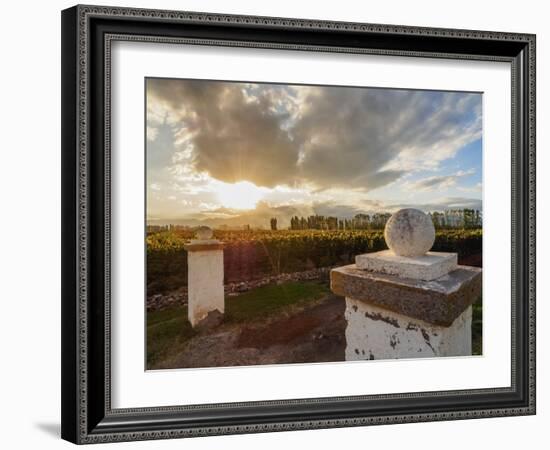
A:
(409, 232)
(204, 233)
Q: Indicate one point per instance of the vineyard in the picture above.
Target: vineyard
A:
(253, 254)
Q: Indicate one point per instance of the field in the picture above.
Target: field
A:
(253, 254)
(278, 321)
(290, 322)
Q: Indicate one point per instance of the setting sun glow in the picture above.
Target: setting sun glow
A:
(240, 195)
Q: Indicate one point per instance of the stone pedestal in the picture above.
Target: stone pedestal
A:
(205, 279)
(394, 316)
(376, 333)
(428, 267)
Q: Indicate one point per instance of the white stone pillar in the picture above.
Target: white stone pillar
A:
(407, 302)
(205, 277)
(376, 333)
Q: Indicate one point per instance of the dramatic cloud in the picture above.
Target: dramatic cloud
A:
(442, 204)
(439, 183)
(347, 211)
(236, 133)
(283, 150)
(258, 217)
(368, 138)
(322, 137)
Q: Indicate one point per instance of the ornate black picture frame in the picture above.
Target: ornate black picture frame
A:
(87, 34)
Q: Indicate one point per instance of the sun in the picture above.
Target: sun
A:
(240, 195)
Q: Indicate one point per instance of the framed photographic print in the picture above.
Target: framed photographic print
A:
(281, 224)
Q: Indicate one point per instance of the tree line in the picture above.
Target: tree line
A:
(358, 222)
(453, 218)
(457, 218)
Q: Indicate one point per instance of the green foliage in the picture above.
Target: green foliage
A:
(464, 242)
(251, 254)
(457, 218)
(270, 299)
(167, 331)
(477, 322)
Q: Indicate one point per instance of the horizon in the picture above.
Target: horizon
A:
(195, 224)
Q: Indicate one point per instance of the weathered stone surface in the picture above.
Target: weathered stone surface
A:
(409, 232)
(212, 320)
(429, 266)
(377, 333)
(205, 282)
(438, 302)
(203, 245)
(204, 233)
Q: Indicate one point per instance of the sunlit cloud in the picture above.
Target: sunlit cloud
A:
(439, 182)
(240, 150)
(240, 195)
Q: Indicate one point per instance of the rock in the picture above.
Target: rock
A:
(212, 320)
(204, 233)
(158, 302)
(409, 232)
(438, 302)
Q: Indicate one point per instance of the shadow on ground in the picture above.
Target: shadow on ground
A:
(52, 429)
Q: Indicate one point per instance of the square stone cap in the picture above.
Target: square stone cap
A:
(430, 266)
(203, 245)
(438, 301)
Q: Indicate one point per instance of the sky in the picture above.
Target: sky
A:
(239, 153)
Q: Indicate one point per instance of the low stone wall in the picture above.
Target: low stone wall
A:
(157, 302)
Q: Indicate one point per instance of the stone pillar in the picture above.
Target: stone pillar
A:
(205, 277)
(407, 306)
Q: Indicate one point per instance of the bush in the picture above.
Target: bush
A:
(253, 254)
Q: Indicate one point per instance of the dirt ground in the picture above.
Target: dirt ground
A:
(313, 334)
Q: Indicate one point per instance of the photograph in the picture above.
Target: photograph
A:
(289, 223)
(273, 223)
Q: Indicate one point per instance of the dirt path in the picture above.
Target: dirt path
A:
(314, 334)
